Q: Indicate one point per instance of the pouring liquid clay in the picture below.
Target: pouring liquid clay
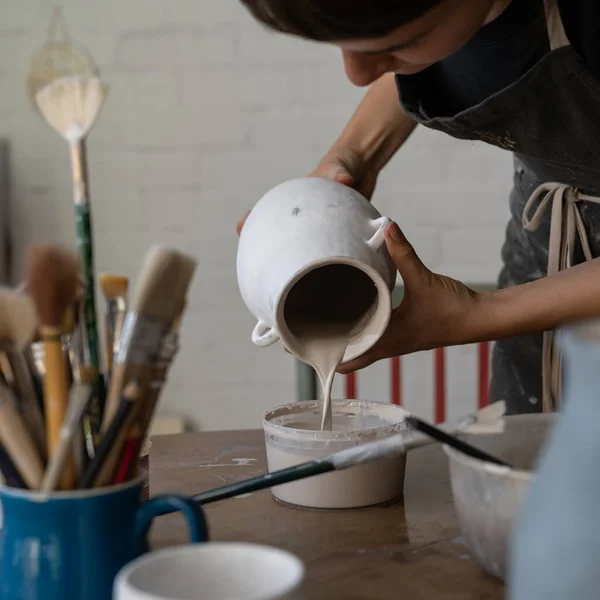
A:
(324, 311)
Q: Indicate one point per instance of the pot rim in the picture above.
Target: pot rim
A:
(326, 436)
(384, 298)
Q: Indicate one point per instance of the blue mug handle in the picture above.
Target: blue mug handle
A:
(167, 503)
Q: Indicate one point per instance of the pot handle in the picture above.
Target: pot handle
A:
(378, 237)
(264, 335)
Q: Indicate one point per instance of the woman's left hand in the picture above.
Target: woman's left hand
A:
(435, 311)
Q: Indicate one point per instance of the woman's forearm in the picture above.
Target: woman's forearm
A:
(541, 305)
(379, 126)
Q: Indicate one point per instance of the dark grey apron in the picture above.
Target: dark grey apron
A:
(550, 119)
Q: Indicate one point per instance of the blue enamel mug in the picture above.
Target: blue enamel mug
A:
(70, 545)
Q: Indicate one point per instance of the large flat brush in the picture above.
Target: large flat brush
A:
(162, 286)
(160, 293)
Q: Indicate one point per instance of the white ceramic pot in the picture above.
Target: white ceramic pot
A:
(212, 571)
(300, 226)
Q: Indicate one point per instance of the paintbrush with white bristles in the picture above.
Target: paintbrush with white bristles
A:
(70, 105)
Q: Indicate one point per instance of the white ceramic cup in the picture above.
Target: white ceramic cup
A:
(212, 571)
(298, 227)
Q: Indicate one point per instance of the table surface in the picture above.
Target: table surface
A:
(409, 549)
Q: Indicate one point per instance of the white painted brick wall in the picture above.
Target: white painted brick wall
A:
(207, 111)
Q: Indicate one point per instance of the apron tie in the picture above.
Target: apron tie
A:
(566, 225)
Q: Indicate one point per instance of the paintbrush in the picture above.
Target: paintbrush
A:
(114, 288)
(130, 397)
(71, 105)
(18, 327)
(452, 441)
(487, 421)
(162, 287)
(161, 290)
(52, 280)
(17, 442)
(139, 430)
(169, 349)
(79, 397)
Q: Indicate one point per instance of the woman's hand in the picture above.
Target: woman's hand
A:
(348, 167)
(345, 166)
(435, 311)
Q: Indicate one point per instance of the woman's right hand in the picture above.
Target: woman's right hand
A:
(345, 166)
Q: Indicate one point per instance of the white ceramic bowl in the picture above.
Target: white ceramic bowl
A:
(293, 436)
(488, 497)
(212, 571)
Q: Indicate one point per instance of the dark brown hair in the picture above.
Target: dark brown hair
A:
(334, 20)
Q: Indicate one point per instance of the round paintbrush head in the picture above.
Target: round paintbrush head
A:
(71, 104)
(113, 286)
(18, 319)
(52, 281)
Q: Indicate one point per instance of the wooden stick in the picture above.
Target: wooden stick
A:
(79, 398)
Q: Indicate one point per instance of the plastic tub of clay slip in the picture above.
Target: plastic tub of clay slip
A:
(293, 436)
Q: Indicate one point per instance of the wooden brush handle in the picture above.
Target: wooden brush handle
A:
(18, 443)
(108, 348)
(86, 256)
(56, 397)
(27, 400)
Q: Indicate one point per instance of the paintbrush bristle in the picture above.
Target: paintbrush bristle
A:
(52, 280)
(113, 286)
(71, 105)
(18, 319)
(163, 283)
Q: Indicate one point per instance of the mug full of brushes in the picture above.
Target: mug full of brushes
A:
(71, 435)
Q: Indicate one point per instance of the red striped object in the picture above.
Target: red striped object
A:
(483, 357)
(396, 380)
(351, 386)
(440, 385)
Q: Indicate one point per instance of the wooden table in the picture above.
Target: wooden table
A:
(408, 550)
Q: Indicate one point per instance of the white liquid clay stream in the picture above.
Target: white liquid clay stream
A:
(324, 311)
(323, 348)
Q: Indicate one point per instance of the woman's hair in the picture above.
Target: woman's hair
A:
(334, 20)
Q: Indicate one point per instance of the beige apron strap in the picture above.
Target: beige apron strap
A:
(556, 30)
(566, 226)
